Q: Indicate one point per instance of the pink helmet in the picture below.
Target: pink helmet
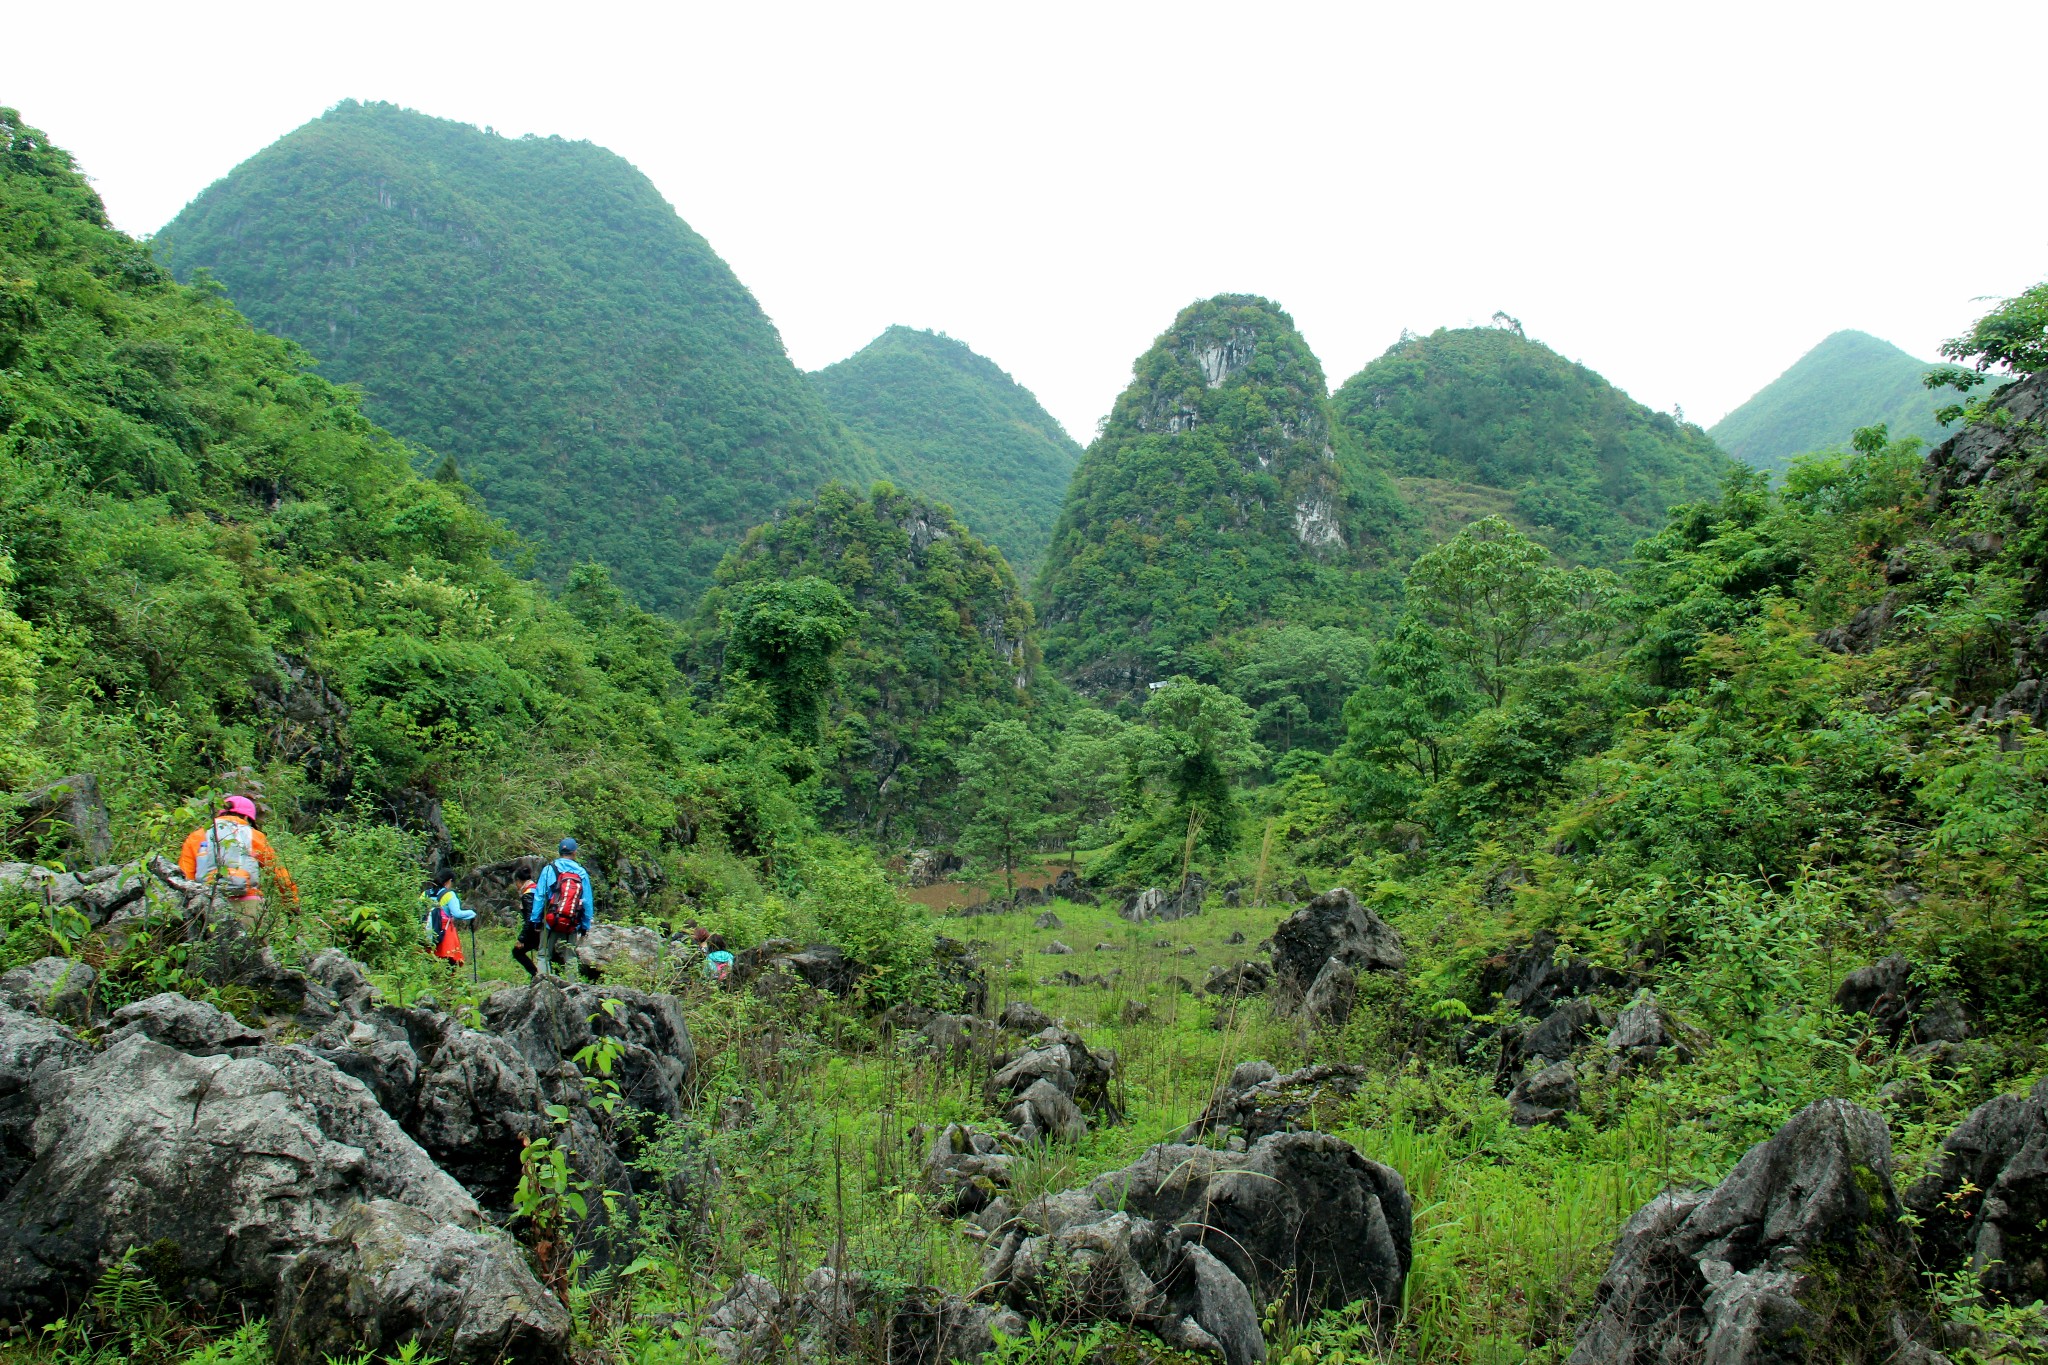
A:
(239, 805)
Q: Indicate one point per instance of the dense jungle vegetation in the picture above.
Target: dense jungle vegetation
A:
(1630, 717)
(937, 642)
(1850, 380)
(532, 309)
(948, 424)
(1484, 419)
(1214, 499)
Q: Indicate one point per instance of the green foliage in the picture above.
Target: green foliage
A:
(1582, 466)
(950, 426)
(1004, 791)
(1088, 776)
(1850, 380)
(941, 644)
(1183, 766)
(2012, 337)
(1215, 498)
(1401, 724)
(531, 308)
(783, 634)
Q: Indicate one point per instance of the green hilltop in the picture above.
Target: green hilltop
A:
(941, 642)
(1850, 380)
(1481, 420)
(1216, 498)
(533, 308)
(952, 425)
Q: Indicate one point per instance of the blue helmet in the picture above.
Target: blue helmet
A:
(568, 846)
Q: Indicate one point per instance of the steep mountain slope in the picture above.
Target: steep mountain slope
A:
(944, 644)
(1214, 499)
(950, 424)
(1481, 419)
(1850, 380)
(214, 563)
(533, 308)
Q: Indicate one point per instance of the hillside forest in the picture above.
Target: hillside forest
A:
(1455, 869)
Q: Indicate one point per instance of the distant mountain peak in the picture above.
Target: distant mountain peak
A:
(1850, 379)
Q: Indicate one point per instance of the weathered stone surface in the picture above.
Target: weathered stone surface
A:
(32, 1048)
(188, 1025)
(1564, 1031)
(1545, 1096)
(1062, 1057)
(54, 987)
(386, 1274)
(1048, 920)
(1158, 1243)
(1330, 999)
(1335, 925)
(610, 949)
(1238, 980)
(64, 819)
(845, 1316)
(1045, 1113)
(1985, 1203)
(99, 894)
(1899, 1008)
(1257, 1100)
(243, 1163)
(1021, 1016)
(343, 976)
(1721, 1276)
(968, 1170)
(1644, 1031)
(1156, 903)
(1056, 949)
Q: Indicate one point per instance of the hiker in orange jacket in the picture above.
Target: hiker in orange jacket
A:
(231, 854)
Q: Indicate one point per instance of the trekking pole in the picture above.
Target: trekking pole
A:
(472, 952)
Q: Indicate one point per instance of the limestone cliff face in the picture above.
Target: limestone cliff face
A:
(1213, 498)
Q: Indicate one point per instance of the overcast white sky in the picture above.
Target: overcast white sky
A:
(1684, 197)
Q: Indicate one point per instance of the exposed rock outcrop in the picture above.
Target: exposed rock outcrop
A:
(1763, 1267)
(1334, 926)
(847, 1316)
(1188, 1241)
(1256, 1100)
(1985, 1203)
(64, 819)
(54, 987)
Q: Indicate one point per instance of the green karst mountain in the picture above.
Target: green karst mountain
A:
(951, 425)
(942, 645)
(1214, 499)
(1850, 380)
(535, 309)
(1481, 420)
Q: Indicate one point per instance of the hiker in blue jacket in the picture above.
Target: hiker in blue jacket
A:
(545, 890)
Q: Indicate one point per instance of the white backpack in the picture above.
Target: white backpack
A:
(227, 858)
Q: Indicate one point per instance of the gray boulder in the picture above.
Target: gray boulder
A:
(188, 1025)
(848, 1316)
(1757, 1270)
(1160, 1243)
(386, 1274)
(1238, 980)
(54, 987)
(344, 977)
(1330, 999)
(1064, 1059)
(1333, 926)
(65, 818)
(1257, 1100)
(968, 1170)
(1021, 1016)
(32, 1049)
(612, 949)
(1048, 920)
(1545, 1096)
(1045, 1113)
(100, 894)
(1056, 949)
(1563, 1032)
(1984, 1204)
(1644, 1031)
(1156, 903)
(243, 1163)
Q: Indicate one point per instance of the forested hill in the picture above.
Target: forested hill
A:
(1214, 499)
(949, 424)
(1482, 420)
(534, 308)
(937, 642)
(1850, 380)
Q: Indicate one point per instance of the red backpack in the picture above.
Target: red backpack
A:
(564, 914)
